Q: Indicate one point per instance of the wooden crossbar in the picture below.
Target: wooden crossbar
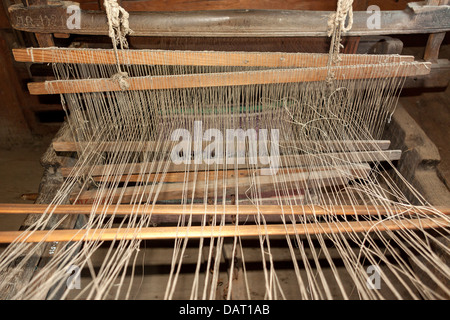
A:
(219, 231)
(142, 146)
(234, 163)
(212, 175)
(270, 76)
(201, 209)
(196, 58)
(266, 183)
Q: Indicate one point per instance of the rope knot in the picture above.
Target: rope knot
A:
(121, 77)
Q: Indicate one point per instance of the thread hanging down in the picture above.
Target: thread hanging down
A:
(207, 164)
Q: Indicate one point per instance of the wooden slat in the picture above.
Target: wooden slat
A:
(200, 175)
(175, 191)
(206, 175)
(201, 209)
(196, 58)
(232, 78)
(220, 231)
(143, 146)
(284, 161)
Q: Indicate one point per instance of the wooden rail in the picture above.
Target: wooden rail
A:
(141, 146)
(234, 163)
(271, 76)
(196, 58)
(219, 231)
(201, 209)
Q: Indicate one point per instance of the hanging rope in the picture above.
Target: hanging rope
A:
(119, 28)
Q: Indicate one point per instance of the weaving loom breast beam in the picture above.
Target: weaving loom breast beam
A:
(417, 18)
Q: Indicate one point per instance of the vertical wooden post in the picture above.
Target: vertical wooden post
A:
(435, 39)
(44, 39)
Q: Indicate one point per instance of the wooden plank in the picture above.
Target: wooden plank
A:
(220, 231)
(232, 78)
(201, 175)
(201, 209)
(439, 77)
(233, 23)
(196, 58)
(145, 146)
(284, 161)
(175, 191)
(188, 5)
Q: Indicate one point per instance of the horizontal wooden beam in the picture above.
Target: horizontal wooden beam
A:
(157, 233)
(417, 18)
(270, 76)
(319, 178)
(196, 58)
(305, 160)
(202, 175)
(202, 209)
(144, 146)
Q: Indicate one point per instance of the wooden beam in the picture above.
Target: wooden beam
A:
(201, 175)
(43, 39)
(158, 233)
(284, 161)
(201, 209)
(439, 77)
(417, 18)
(174, 191)
(196, 58)
(144, 146)
(189, 5)
(435, 39)
(232, 78)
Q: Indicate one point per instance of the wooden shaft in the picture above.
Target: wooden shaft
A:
(199, 209)
(270, 76)
(219, 231)
(196, 58)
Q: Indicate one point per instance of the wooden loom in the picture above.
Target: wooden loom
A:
(290, 68)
